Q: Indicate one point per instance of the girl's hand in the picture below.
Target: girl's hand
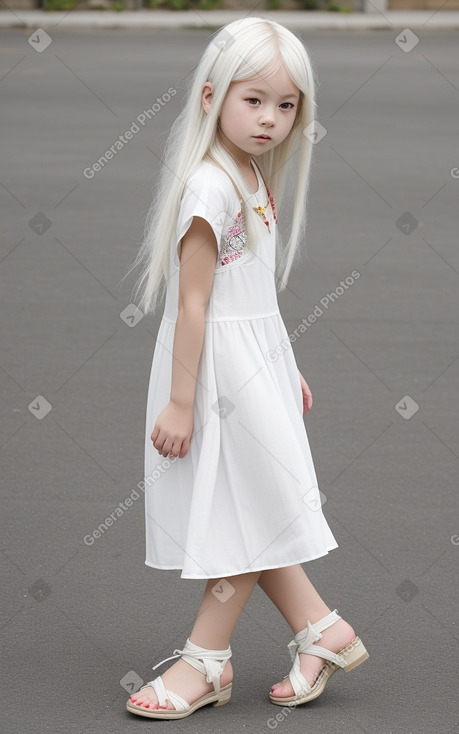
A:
(173, 430)
(307, 395)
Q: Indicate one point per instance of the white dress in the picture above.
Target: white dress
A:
(245, 497)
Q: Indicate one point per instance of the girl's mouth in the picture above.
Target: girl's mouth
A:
(262, 137)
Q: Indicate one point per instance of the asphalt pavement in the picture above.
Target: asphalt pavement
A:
(83, 619)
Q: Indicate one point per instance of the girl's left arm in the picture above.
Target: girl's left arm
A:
(307, 395)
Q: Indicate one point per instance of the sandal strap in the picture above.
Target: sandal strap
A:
(303, 642)
(322, 652)
(297, 679)
(163, 693)
(312, 633)
(327, 621)
(212, 665)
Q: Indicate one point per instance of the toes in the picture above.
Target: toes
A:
(282, 690)
(149, 705)
(144, 702)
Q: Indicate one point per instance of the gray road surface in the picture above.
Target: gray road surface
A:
(381, 359)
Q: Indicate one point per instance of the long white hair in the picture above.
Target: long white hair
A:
(237, 51)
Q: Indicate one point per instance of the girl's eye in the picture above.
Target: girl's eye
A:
(254, 101)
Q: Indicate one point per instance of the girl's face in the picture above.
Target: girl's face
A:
(258, 114)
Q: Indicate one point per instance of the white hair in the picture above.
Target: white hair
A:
(238, 51)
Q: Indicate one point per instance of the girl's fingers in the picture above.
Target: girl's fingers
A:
(159, 442)
(167, 451)
(155, 434)
(175, 447)
(307, 395)
(164, 450)
(166, 447)
(175, 451)
(307, 398)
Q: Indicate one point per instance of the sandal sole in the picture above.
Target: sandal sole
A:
(209, 698)
(355, 653)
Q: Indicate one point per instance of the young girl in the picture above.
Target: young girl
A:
(235, 499)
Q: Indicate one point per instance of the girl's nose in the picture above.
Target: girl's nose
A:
(267, 118)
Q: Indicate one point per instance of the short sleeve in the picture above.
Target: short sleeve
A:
(209, 194)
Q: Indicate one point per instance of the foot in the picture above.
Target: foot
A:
(184, 680)
(334, 638)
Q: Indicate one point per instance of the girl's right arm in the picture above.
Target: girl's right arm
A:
(174, 425)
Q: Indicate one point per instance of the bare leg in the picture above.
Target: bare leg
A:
(217, 619)
(215, 622)
(298, 601)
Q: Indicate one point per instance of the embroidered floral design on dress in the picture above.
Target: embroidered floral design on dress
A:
(234, 241)
(262, 209)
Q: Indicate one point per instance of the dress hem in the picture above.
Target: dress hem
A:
(238, 573)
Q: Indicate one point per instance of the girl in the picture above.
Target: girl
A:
(235, 499)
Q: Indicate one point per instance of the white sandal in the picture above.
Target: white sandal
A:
(348, 658)
(212, 665)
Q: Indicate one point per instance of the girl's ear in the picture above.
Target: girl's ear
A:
(206, 96)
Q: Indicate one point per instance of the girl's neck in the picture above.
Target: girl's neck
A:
(248, 171)
(251, 179)
(243, 161)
